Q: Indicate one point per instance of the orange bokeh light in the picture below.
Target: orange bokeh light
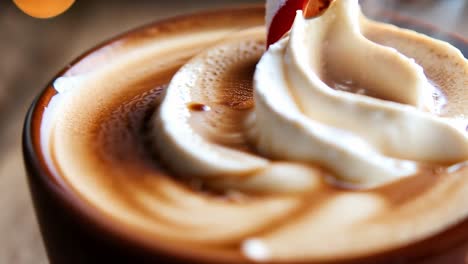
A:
(43, 8)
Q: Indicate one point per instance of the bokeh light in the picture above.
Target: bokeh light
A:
(43, 8)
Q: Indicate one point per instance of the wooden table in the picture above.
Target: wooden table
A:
(32, 51)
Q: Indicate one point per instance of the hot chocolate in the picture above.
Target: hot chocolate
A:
(108, 138)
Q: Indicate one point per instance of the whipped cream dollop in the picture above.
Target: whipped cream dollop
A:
(301, 116)
(213, 147)
(362, 139)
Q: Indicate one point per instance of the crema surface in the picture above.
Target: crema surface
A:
(98, 137)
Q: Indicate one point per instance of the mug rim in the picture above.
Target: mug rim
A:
(37, 167)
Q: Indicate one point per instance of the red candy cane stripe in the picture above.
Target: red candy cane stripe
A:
(283, 19)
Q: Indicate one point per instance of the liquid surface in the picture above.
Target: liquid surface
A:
(102, 153)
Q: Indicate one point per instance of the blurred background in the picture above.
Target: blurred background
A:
(33, 50)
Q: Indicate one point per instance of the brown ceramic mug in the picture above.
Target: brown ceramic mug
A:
(74, 232)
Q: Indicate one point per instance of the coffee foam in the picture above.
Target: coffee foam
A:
(443, 65)
(229, 67)
(98, 147)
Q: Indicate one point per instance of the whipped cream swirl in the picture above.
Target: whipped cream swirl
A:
(298, 118)
(362, 139)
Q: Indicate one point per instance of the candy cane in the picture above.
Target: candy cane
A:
(280, 15)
